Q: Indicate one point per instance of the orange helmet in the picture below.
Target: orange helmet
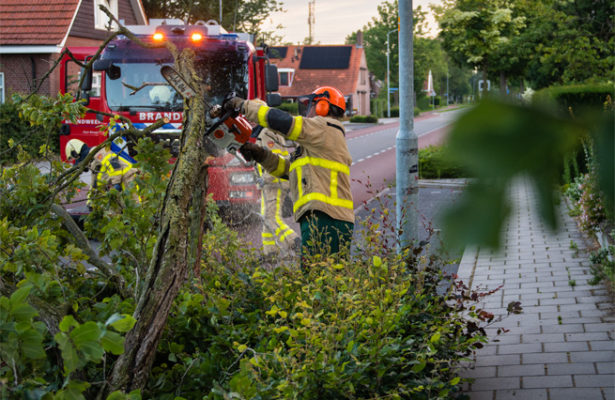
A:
(325, 100)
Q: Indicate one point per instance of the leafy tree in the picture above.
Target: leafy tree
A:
(239, 15)
(473, 31)
(567, 41)
(428, 54)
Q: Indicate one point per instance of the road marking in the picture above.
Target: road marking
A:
(373, 155)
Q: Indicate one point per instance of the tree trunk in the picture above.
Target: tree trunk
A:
(177, 250)
(503, 84)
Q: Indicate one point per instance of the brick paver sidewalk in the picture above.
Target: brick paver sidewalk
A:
(562, 346)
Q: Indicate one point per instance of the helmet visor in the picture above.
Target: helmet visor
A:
(306, 103)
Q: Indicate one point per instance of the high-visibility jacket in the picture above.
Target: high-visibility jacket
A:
(110, 169)
(276, 234)
(319, 170)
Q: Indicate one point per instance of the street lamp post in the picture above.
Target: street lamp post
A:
(406, 142)
(389, 77)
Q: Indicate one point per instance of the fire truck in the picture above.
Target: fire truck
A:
(126, 80)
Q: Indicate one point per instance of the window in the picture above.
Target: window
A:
(283, 78)
(363, 75)
(101, 20)
(73, 75)
(286, 76)
(1, 87)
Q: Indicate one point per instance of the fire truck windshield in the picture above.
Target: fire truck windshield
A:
(135, 85)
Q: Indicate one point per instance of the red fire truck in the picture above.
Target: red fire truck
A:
(127, 81)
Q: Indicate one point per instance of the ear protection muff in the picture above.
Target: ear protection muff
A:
(322, 108)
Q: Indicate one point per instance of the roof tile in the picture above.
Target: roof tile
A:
(35, 22)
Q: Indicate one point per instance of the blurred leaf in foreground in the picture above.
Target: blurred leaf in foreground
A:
(496, 142)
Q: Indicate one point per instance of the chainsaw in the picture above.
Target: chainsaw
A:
(226, 131)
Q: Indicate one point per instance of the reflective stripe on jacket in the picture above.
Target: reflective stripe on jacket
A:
(319, 171)
(109, 168)
(276, 144)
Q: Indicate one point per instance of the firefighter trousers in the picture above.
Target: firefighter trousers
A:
(277, 236)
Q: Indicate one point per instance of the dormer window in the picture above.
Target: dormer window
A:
(101, 20)
(286, 76)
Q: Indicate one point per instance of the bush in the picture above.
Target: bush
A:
(395, 112)
(435, 163)
(576, 97)
(424, 103)
(372, 327)
(18, 132)
(364, 119)
(292, 108)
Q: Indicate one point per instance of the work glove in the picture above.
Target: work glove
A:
(251, 151)
(233, 104)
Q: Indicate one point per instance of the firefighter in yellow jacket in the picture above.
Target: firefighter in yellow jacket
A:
(277, 236)
(108, 168)
(318, 170)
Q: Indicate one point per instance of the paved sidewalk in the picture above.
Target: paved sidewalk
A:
(562, 345)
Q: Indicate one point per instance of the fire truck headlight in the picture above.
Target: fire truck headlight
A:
(196, 37)
(241, 195)
(244, 178)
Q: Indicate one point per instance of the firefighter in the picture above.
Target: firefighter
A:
(277, 236)
(108, 168)
(318, 170)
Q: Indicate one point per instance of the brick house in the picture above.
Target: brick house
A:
(302, 69)
(34, 32)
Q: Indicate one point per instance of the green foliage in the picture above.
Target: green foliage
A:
(497, 142)
(370, 119)
(16, 133)
(76, 312)
(48, 114)
(292, 108)
(576, 98)
(239, 16)
(436, 163)
(370, 327)
(602, 264)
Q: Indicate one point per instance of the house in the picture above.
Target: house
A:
(34, 32)
(302, 69)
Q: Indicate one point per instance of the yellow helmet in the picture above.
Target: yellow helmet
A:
(73, 149)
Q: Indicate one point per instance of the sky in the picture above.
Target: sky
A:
(335, 19)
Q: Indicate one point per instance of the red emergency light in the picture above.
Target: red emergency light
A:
(196, 36)
(158, 37)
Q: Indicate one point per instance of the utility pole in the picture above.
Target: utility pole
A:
(220, 21)
(406, 149)
(312, 19)
(389, 77)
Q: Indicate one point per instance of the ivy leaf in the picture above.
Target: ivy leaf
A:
(69, 353)
(32, 344)
(86, 339)
(113, 342)
(23, 312)
(20, 295)
(125, 324)
(67, 322)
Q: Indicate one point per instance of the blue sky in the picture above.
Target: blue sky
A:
(335, 19)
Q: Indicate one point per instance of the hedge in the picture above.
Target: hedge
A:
(364, 118)
(15, 129)
(434, 163)
(578, 97)
(292, 108)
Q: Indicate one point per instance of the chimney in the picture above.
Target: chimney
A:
(359, 39)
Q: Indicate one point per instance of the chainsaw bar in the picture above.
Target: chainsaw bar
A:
(178, 82)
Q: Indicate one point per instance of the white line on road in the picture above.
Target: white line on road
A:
(373, 155)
